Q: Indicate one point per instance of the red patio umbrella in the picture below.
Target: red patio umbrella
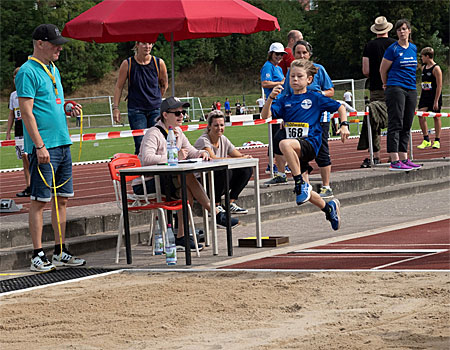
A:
(144, 20)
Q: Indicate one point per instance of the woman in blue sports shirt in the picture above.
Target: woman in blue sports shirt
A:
(398, 73)
(271, 76)
(301, 113)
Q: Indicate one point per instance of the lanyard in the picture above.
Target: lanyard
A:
(47, 71)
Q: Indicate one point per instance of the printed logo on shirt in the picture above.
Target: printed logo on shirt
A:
(408, 62)
(306, 103)
(267, 75)
(426, 85)
(401, 54)
(287, 105)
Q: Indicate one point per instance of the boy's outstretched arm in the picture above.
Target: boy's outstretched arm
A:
(344, 129)
(265, 113)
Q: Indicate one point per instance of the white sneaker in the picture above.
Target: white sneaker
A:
(40, 263)
(67, 259)
(236, 209)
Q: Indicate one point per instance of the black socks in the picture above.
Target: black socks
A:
(298, 178)
(37, 251)
(58, 248)
(326, 209)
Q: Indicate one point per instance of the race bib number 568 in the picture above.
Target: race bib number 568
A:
(296, 130)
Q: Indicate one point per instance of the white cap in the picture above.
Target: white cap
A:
(277, 47)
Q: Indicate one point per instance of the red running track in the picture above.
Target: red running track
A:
(92, 183)
(420, 247)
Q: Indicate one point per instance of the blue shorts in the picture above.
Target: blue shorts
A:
(141, 119)
(61, 160)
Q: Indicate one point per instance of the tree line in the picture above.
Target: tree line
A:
(337, 30)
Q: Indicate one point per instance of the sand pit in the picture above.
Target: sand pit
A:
(225, 310)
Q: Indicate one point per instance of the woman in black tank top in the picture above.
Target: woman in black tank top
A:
(147, 83)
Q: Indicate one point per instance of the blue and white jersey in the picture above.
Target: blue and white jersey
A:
(305, 109)
(321, 82)
(404, 65)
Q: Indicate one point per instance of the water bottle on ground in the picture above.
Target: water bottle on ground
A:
(172, 150)
(171, 247)
(159, 244)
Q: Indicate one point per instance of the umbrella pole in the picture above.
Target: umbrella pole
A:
(173, 64)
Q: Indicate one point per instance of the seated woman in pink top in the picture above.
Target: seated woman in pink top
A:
(154, 150)
(219, 146)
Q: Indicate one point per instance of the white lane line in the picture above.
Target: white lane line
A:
(340, 256)
(198, 270)
(390, 245)
(370, 251)
(405, 260)
(323, 242)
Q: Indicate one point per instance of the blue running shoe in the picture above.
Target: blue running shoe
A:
(275, 169)
(303, 192)
(334, 216)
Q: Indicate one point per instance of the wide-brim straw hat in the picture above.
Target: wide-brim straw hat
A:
(381, 25)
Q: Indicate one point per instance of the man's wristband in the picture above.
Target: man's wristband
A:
(271, 97)
(344, 124)
(115, 107)
(43, 145)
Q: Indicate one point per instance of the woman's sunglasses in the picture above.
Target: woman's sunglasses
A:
(178, 113)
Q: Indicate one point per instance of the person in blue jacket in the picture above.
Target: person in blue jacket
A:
(300, 142)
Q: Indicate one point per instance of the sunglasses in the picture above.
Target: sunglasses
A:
(178, 113)
(278, 53)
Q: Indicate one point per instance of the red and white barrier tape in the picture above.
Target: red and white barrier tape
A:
(431, 114)
(192, 127)
(140, 132)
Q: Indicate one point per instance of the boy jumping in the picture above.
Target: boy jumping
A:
(300, 139)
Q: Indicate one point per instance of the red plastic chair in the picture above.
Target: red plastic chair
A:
(123, 155)
(138, 203)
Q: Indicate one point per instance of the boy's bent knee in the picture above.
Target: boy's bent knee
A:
(288, 144)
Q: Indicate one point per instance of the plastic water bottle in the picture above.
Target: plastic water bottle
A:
(159, 244)
(171, 247)
(172, 150)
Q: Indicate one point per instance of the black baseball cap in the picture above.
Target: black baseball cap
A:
(50, 33)
(173, 102)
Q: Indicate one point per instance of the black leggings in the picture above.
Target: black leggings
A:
(401, 104)
(238, 180)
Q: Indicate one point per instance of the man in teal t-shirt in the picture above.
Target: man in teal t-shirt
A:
(47, 141)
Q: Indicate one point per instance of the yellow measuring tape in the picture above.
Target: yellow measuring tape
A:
(56, 197)
(21, 273)
(54, 187)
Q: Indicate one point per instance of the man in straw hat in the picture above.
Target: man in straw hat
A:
(373, 54)
(371, 61)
